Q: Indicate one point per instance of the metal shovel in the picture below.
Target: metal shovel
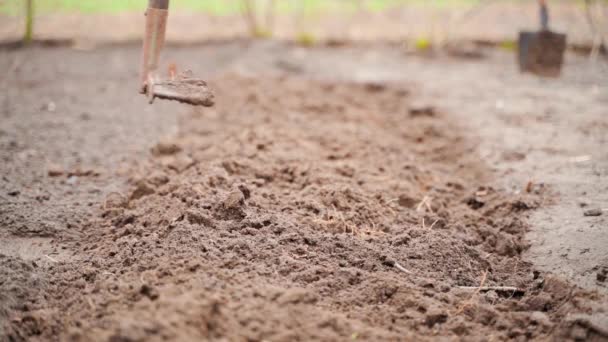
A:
(542, 52)
(183, 88)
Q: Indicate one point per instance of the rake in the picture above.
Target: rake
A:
(182, 87)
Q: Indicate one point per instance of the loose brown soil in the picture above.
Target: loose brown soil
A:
(297, 208)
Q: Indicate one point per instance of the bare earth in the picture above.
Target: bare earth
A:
(353, 193)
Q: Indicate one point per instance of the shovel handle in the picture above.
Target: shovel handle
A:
(159, 4)
(544, 15)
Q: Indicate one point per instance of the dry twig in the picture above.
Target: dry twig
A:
(426, 202)
(477, 289)
(402, 269)
(51, 259)
(491, 288)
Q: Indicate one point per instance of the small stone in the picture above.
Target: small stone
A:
(235, 199)
(593, 212)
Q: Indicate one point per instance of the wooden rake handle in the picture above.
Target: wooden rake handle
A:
(154, 38)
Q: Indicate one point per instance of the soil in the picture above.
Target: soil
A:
(331, 194)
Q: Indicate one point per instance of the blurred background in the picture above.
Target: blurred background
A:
(418, 24)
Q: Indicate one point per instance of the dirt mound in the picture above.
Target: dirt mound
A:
(306, 210)
(19, 291)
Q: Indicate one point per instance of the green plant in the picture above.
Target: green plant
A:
(263, 34)
(251, 12)
(508, 45)
(306, 39)
(423, 44)
(29, 21)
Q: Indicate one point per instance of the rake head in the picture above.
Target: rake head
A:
(183, 88)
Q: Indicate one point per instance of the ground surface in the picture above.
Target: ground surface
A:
(344, 193)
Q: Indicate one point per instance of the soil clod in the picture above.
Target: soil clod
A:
(149, 292)
(593, 212)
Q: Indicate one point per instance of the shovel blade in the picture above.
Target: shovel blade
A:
(541, 53)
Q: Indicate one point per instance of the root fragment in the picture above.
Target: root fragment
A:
(477, 289)
(402, 269)
(493, 288)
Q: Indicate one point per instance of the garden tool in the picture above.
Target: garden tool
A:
(178, 87)
(542, 52)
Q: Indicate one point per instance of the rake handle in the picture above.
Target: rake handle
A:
(154, 38)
